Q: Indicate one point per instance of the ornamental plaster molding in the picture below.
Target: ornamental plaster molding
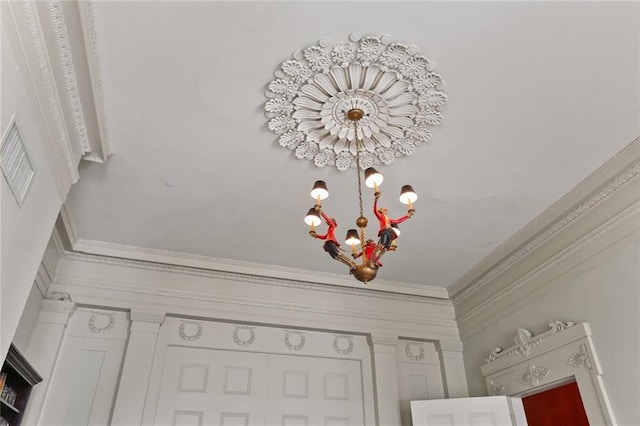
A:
(58, 306)
(525, 341)
(190, 330)
(625, 177)
(299, 336)
(250, 302)
(533, 375)
(51, 93)
(147, 316)
(243, 335)
(496, 388)
(254, 277)
(59, 295)
(630, 213)
(343, 344)
(101, 322)
(87, 20)
(63, 45)
(580, 358)
(412, 354)
(394, 86)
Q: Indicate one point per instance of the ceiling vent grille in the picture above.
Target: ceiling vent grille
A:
(15, 163)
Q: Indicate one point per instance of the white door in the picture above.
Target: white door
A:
(212, 387)
(306, 391)
(480, 411)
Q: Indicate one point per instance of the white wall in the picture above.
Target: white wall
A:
(25, 230)
(28, 319)
(602, 290)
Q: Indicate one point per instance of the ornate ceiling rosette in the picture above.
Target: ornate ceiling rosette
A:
(397, 89)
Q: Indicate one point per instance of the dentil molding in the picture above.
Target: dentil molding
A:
(87, 20)
(63, 45)
(63, 145)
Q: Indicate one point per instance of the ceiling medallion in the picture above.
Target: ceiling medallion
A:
(396, 89)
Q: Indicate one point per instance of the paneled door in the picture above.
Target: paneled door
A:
(227, 388)
(308, 391)
(477, 411)
(212, 387)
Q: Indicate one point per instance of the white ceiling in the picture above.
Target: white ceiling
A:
(540, 95)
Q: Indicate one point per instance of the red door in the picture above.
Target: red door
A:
(561, 406)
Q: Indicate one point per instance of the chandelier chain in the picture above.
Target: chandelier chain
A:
(359, 170)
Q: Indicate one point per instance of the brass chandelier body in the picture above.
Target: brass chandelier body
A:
(370, 252)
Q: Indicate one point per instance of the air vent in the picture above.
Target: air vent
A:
(15, 163)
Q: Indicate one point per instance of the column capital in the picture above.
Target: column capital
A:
(56, 311)
(383, 342)
(58, 306)
(156, 317)
(443, 346)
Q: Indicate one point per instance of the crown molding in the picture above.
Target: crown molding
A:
(275, 276)
(252, 302)
(87, 22)
(33, 66)
(65, 60)
(620, 172)
(510, 296)
(190, 264)
(42, 81)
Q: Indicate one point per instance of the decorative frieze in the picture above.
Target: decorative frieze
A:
(243, 335)
(101, 322)
(533, 375)
(525, 340)
(342, 344)
(294, 340)
(495, 387)
(190, 330)
(580, 358)
(414, 351)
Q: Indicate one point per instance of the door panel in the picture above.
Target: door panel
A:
(228, 388)
(480, 411)
(212, 387)
(314, 391)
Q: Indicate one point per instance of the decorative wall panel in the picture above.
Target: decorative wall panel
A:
(296, 384)
(336, 386)
(193, 378)
(237, 380)
(187, 418)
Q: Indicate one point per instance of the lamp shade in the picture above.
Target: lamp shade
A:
(319, 190)
(312, 218)
(396, 229)
(372, 177)
(352, 237)
(408, 195)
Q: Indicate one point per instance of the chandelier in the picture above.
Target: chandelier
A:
(388, 232)
(355, 104)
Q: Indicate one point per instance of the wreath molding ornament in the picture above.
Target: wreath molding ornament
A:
(397, 89)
